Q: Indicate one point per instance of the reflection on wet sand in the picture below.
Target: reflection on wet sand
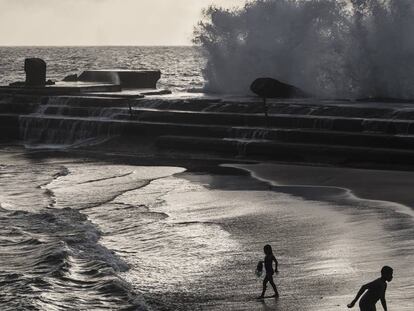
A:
(191, 241)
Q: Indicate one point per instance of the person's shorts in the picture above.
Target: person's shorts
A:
(366, 307)
(268, 278)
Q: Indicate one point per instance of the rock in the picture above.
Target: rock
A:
(50, 82)
(35, 69)
(17, 84)
(71, 78)
(272, 88)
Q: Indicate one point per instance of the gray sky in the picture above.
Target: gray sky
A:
(101, 22)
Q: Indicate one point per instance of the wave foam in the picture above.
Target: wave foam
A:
(351, 48)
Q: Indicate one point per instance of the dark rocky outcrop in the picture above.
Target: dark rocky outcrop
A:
(71, 78)
(272, 88)
(35, 69)
(18, 84)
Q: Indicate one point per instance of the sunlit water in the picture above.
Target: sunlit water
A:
(180, 66)
(88, 234)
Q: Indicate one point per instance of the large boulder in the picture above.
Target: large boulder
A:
(272, 88)
(35, 69)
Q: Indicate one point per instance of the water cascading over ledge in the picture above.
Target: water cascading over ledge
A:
(296, 130)
(58, 122)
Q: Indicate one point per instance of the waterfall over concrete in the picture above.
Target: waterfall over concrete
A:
(61, 121)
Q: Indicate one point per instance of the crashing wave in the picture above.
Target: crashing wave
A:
(336, 48)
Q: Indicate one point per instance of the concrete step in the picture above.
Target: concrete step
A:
(154, 129)
(276, 121)
(314, 107)
(386, 126)
(9, 126)
(320, 107)
(286, 151)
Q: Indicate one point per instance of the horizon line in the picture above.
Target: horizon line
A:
(100, 45)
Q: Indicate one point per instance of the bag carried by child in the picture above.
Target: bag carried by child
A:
(259, 269)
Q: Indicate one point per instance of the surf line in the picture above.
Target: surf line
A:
(341, 192)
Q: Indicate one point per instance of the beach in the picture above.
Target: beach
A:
(328, 242)
(146, 162)
(172, 238)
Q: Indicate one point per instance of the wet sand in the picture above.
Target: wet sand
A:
(328, 241)
(192, 239)
(346, 224)
(386, 185)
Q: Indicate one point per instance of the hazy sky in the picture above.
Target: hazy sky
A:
(101, 22)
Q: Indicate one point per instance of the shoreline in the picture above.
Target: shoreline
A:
(326, 250)
(375, 184)
(363, 183)
(358, 237)
(366, 183)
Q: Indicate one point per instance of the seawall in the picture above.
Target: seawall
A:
(304, 130)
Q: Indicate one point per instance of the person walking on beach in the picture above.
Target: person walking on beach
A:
(268, 264)
(375, 291)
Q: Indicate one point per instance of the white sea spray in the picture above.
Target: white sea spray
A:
(357, 48)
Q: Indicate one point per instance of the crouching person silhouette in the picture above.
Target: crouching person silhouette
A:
(374, 291)
(268, 264)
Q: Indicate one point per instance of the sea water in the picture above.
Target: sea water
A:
(180, 66)
(90, 232)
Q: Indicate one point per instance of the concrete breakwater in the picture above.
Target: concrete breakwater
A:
(305, 130)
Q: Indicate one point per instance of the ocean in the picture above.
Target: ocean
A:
(99, 229)
(180, 66)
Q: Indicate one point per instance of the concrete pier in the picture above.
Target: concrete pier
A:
(135, 79)
(61, 88)
(90, 81)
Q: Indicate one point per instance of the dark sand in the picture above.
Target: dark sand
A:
(385, 185)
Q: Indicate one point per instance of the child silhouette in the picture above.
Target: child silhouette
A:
(268, 264)
(375, 291)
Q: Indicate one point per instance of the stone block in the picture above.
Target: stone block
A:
(35, 69)
(132, 79)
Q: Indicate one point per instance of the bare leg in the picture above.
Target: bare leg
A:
(274, 287)
(265, 280)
